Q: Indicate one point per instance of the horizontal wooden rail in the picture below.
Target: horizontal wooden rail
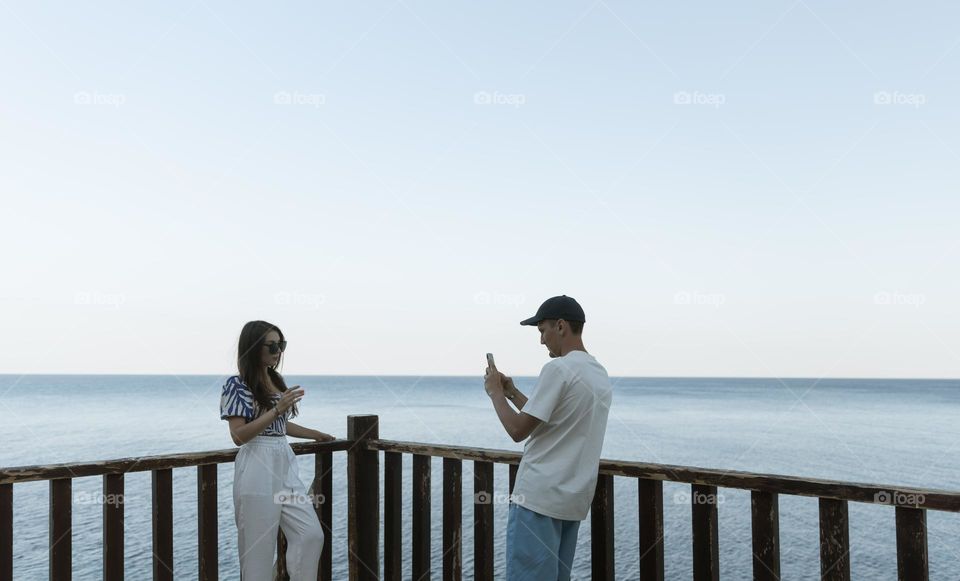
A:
(60, 478)
(363, 449)
(890, 495)
(147, 463)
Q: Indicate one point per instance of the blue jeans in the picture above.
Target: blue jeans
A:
(539, 548)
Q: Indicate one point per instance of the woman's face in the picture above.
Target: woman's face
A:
(270, 359)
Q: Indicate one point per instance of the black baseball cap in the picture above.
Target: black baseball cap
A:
(562, 307)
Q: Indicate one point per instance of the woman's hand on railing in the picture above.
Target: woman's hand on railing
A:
(322, 436)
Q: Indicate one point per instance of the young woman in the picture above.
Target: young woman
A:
(267, 491)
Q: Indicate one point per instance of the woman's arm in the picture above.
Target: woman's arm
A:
(298, 431)
(243, 432)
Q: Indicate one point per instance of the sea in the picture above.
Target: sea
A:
(891, 432)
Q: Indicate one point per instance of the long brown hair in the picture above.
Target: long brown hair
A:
(250, 365)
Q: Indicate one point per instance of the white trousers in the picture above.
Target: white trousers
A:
(268, 493)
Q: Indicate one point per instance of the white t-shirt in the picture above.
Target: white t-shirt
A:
(558, 473)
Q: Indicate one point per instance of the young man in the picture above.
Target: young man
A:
(565, 419)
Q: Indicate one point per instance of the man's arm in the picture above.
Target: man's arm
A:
(512, 393)
(518, 425)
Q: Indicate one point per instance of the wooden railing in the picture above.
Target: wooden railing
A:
(61, 478)
(363, 448)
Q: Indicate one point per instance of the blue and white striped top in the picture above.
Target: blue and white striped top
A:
(237, 400)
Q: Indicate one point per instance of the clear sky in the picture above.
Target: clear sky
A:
(762, 188)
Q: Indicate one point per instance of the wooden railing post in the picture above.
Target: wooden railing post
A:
(651, 529)
(912, 562)
(363, 482)
(483, 521)
(207, 533)
(392, 516)
(834, 540)
(706, 543)
(452, 520)
(113, 527)
(61, 517)
(322, 490)
(765, 519)
(163, 524)
(6, 531)
(420, 559)
(601, 530)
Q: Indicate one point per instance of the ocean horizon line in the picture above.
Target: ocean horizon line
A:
(466, 375)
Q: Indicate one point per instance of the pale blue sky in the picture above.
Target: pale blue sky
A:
(730, 189)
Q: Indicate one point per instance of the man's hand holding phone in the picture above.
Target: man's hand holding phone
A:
(493, 379)
(509, 389)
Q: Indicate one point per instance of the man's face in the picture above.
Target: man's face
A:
(550, 337)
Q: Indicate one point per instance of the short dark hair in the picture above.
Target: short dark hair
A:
(575, 326)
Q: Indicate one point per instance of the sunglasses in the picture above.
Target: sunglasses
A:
(278, 347)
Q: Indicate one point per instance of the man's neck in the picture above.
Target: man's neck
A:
(575, 347)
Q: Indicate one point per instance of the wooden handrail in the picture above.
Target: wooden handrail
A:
(890, 495)
(146, 463)
(363, 447)
(60, 477)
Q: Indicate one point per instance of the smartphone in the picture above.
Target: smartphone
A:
(490, 362)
